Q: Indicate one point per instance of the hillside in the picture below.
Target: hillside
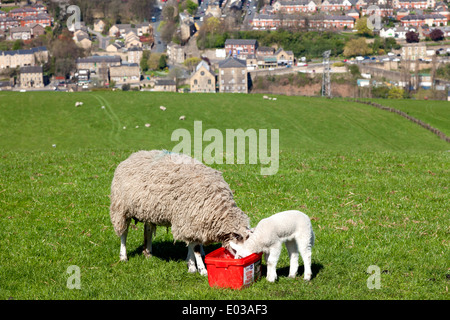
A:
(374, 185)
(39, 120)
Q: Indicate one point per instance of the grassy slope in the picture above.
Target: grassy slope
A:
(434, 112)
(374, 195)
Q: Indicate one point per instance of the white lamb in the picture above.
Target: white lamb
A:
(290, 227)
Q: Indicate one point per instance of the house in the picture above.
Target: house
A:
(5, 85)
(26, 57)
(20, 13)
(31, 77)
(20, 33)
(95, 63)
(175, 53)
(43, 19)
(134, 54)
(414, 51)
(36, 30)
(353, 13)
(422, 19)
(295, 6)
(81, 39)
(237, 47)
(126, 73)
(233, 75)
(8, 22)
(115, 46)
(335, 5)
(284, 57)
(99, 25)
(166, 85)
(265, 51)
(203, 80)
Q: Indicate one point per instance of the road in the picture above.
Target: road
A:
(159, 45)
(103, 41)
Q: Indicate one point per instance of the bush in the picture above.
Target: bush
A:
(125, 87)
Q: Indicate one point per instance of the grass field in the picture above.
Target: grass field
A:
(374, 184)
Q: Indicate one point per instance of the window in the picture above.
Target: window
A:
(195, 81)
(202, 73)
(209, 81)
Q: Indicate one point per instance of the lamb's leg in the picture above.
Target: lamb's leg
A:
(305, 251)
(123, 243)
(149, 231)
(292, 249)
(272, 260)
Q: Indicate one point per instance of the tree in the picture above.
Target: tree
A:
(355, 47)
(144, 60)
(162, 62)
(412, 37)
(436, 35)
(362, 28)
(396, 93)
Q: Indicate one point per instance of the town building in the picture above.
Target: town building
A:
(233, 75)
(203, 80)
(31, 77)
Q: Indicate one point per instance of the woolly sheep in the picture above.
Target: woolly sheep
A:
(290, 227)
(161, 188)
(182, 118)
(162, 108)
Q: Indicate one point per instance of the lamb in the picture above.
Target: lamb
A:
(161, 188)
(290, 227)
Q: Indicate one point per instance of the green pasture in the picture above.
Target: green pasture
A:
(375, 186)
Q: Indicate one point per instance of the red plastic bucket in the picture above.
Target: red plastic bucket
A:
(226, 272)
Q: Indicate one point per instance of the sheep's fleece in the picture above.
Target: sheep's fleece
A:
(168, 189)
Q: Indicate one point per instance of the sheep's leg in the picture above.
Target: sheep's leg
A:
(292, 248)
(272, 261)
(149, 231)
(123, 243)
(305, 251)
(194, 259)
(191, 259)
(198, 252)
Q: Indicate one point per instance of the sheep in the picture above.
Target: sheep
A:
(161, 188)
(162, 108)
(147, 125)
(290, 227)
(182, 118)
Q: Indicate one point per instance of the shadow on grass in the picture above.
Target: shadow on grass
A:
(169, 251)
(284, 272)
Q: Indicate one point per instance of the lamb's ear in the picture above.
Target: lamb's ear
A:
(234, 246)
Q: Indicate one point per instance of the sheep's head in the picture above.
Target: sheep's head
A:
(235, 237)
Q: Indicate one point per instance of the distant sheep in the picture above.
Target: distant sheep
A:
(162, 108)
(161, 188)
(78, 103)
(147, 125)
(182, 117)
(291, 227)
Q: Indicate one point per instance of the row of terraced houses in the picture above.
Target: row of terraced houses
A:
(342, 14)
(25, 17)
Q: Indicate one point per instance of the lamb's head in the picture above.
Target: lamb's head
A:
(240, 250)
